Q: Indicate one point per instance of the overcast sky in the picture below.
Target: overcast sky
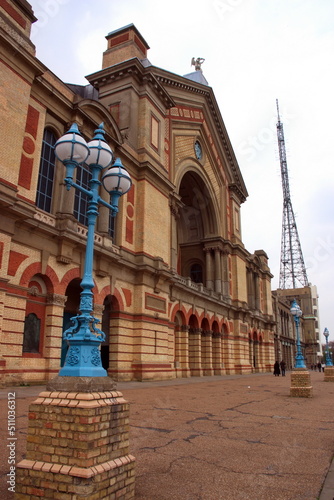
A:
(256, 51)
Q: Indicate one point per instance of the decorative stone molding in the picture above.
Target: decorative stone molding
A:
(98, 309)
(207, 333)
(56, 299)
(45, 218)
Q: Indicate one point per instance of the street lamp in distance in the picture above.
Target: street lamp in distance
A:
(328, 357)
(297, 313)
(300, 376)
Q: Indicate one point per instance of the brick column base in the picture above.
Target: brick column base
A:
(77, 444)
(329, 374)
(301, 383)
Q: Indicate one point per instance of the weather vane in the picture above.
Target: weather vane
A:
(197, 63)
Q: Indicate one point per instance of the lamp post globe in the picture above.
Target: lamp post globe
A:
(297, 313)
(100, 153)
(72, 150)
(116, 180)
(84, 338)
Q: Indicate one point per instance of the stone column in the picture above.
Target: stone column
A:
(218, 271)
(251, 354)
(225, 274)
(256, 355)
(177, 350)
(54, 313)
(174, 205)
(184, 351)
(208, 265)
(206, 344)
(217, 353)
(195, 359)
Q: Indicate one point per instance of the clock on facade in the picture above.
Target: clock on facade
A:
(198, 150)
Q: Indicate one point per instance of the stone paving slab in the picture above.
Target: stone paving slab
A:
(212, 438)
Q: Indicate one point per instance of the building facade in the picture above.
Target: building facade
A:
(177, 293)
(285, 331)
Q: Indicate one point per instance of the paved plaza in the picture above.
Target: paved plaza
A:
(212, 438)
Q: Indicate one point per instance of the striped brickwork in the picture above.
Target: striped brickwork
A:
(182, 213)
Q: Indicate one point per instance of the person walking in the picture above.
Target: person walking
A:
(276, 369)
(282, 365)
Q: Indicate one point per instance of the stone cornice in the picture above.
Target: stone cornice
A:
(131, 68)
(237, 191)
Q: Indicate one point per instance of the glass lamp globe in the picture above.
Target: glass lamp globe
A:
(72, 146)
(116, 179)
(100, 153)
(295, 309)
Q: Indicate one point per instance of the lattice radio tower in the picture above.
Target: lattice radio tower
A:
(292, 266)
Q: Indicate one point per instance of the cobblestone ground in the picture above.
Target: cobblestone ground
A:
(229, 438)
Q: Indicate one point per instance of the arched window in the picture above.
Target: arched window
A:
(83, 177)
(196, 273)
(46, 172)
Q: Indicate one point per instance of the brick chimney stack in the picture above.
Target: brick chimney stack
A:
(123, 44)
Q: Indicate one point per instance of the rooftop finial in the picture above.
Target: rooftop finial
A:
(197, 63)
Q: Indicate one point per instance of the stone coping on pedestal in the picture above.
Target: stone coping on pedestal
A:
(74, 470)
(81, 384)
(80, 399)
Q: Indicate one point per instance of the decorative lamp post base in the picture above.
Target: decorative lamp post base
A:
(329, 374)
(78, 443)
(301, 383)
(83, 359)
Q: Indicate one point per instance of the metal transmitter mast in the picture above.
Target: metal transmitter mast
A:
(292, 267)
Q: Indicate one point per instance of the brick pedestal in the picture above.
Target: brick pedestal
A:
(77, 444)
(329, 374)
(301, 383)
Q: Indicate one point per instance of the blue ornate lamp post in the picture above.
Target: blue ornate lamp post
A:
(297, 313)
(83, 357)
(328, 357)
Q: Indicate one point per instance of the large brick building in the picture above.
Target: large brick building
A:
(285, 331)
(176, 290)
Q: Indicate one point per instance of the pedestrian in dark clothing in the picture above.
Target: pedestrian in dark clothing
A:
(319, 366)
(282, 364)
(276, 369)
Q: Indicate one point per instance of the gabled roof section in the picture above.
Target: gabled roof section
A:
(173, 81)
